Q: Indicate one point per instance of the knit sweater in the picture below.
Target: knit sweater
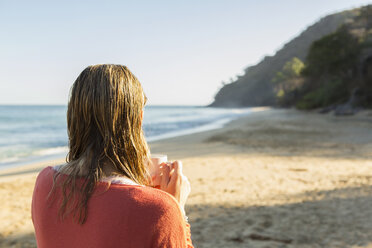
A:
(131, 216)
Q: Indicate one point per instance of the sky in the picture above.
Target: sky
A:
(181, 51)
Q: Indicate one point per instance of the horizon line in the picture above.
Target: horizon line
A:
(65, 105)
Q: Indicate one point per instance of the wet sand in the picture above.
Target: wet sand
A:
(276, 178)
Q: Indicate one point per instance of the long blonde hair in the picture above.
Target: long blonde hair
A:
(104, 128)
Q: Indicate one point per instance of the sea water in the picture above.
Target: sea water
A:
(29, 133)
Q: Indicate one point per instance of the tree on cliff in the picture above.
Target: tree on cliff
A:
(329, 69)
(288, 80)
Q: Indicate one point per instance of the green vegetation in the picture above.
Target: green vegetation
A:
(326, 76)
(332, 91)
(288, 80)
(334, 54)
(290, 70)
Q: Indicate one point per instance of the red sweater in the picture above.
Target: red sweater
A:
(132, 216)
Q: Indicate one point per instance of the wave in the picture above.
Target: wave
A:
(47, 138)
(207, 127)
(52, 151)
(34, 156)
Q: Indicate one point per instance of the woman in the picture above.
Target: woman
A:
(103, 195)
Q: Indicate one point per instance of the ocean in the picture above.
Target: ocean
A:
(34, 133)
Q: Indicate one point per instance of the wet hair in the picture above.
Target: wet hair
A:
(104, 123)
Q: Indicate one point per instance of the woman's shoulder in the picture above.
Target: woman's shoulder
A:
(148, 196)
(45, 174)
(153, 200)
(48, 170)
(159, 205)
(146, 204)
(45, 170)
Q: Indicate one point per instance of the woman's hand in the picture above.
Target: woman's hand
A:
(174, 182)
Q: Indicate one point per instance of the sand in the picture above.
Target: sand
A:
(276, 178)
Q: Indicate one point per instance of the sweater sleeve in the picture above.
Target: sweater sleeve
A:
(188, 236)
(171, 230)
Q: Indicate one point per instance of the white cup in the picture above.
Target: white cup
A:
(156, 160)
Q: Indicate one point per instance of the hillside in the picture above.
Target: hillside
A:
(255, 87)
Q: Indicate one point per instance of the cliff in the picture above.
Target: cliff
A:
(255, 87)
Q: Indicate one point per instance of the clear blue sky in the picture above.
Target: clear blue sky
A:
(179, 50)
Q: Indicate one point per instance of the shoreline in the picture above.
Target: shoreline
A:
(220, 124)
(50, 142)
(275, 177)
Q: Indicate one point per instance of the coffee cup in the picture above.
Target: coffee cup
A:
(156, 160)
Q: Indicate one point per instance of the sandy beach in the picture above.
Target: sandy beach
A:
(275, 178)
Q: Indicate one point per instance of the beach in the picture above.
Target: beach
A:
(274, 178)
